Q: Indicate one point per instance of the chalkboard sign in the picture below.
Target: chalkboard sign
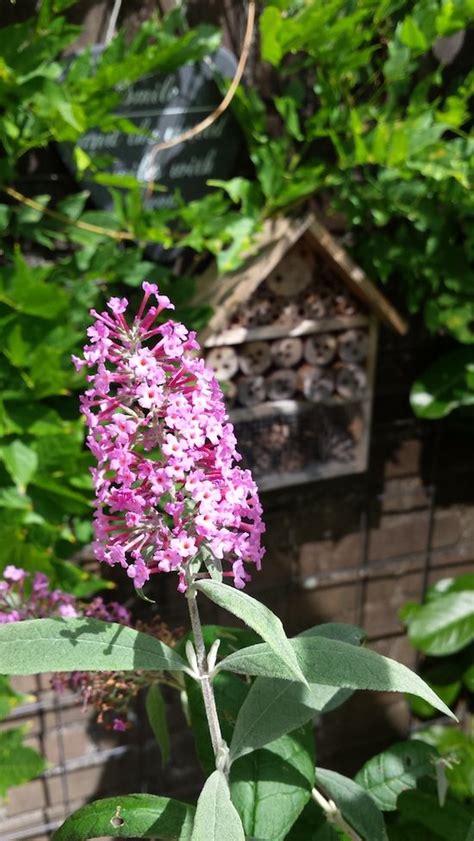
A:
(165, 106)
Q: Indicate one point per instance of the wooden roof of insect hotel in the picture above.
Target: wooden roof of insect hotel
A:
(225, 294)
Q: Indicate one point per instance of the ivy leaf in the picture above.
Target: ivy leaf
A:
(288, 109)
(412, 36)
(18, 763)
(28, 291)
(256, 616)
(10, 698)
(271, 786)
(35, 646)
(156, 712)
(216, 816)
(133, 815)
(21, 462)
(354, 803)
(397, 769)
(445, 386)
(270, 26)
(445, 625)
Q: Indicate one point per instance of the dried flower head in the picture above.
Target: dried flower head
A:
(168, 491)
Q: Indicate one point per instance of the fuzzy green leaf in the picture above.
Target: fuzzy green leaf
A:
(65, 645)
(256, 616)
(335, 663)
(216, 816)
(354, 803)
(274, 706)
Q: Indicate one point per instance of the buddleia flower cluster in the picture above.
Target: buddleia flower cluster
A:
(169, 493)
(27, 596)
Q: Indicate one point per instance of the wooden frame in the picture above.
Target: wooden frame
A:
(226, 295)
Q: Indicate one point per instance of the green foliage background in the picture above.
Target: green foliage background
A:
(360, 111)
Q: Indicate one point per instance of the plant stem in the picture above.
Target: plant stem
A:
(218, 745)
(333, 815)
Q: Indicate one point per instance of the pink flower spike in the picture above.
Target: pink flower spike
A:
(167, 482)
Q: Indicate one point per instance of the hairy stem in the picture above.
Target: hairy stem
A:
(218, 744)
(333, 815)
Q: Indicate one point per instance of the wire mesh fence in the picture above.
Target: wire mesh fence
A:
(351, 550)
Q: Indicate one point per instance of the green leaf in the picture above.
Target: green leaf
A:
(90, 645)
(450, 822)
(450, 585)
(445, 386)
(9, 698)
(256, 616)
(274, 707)
(335, 663)
(216, 816)
(133, 815)
(468, 678)
(270, 787)
(270, 25)
(289, 111)
(28, 291)
(457, 748)
(21, 462)
(18, 763)
(312, 825)
(412, 36)
(156, 712)
(354, 803)
(445, 676)
(445, 625)
(447, 692)
(400, 767)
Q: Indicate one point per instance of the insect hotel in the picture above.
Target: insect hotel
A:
(293, 340)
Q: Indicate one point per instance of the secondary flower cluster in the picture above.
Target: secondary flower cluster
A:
(23, 596)
(112, 694)
(167, 488)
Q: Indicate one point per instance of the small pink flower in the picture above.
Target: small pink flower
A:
(184, 545)
(118, 305)
(67, 611)
(14, 573)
